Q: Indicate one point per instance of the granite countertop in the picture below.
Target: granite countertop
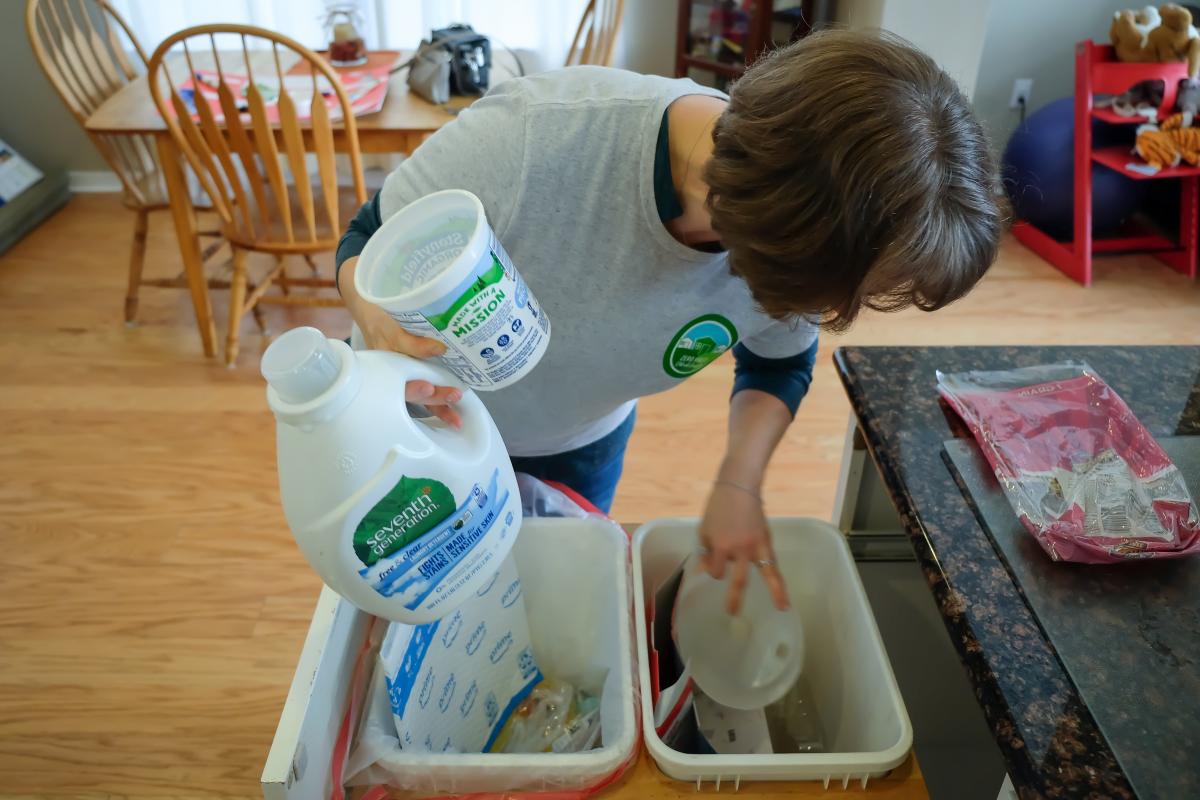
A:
(1051, 743)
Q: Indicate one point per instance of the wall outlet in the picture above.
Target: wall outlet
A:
(1022, 89)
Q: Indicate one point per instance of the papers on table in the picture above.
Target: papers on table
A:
(365, 88)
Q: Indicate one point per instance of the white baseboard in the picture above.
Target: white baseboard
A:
(99, 180)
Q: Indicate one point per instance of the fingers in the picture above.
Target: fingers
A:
(438, 399)
(765, 561)
(418, 391)
(448, 415)
(404, 342)
(716, 562)
(775, 586)
(737, 586)
(381, 332)
(437, 395)
(713, 560)
(740, 577)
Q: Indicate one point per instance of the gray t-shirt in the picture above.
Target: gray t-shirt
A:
(563, 163)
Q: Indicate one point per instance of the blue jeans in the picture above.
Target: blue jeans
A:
(592, 470)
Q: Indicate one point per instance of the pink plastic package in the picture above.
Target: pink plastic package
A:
(1083, 474)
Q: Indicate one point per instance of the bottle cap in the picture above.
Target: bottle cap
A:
(300, 365)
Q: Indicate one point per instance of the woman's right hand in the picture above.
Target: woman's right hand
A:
(381, 332)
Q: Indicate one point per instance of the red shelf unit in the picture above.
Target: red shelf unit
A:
(1113, 118)
(1119, 158)
(1098, 72)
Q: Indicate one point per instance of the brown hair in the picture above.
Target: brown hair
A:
(849, 171)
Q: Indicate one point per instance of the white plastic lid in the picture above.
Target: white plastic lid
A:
(378, 277)
(300, 365)
(746, 661)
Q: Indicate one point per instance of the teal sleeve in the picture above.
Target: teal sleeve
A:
(365, 223)
(786, 378)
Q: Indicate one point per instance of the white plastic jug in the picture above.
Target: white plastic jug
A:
(406, 518)
(439, 270)
(747, 661)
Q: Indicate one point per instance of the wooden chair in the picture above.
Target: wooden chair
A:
(78, 46)
(596, 34)
(242, 165)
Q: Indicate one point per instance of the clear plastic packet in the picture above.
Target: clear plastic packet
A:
(1083, 474)
(542, 499)
(555, 718)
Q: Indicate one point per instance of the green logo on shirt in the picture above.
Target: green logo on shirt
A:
(698, 344)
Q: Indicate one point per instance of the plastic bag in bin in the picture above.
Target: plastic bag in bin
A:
(1083, 474)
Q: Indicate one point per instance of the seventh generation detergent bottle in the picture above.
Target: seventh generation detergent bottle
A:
(405, 518)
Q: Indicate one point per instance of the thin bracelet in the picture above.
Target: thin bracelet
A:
(739, 487)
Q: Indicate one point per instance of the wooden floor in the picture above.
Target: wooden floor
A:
(152, 603)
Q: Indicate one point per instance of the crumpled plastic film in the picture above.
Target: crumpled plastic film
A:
(372, 761)
(1083, 474)
(541, 499)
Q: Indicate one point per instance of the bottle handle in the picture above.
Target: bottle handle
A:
(470, 407)
(417, 370)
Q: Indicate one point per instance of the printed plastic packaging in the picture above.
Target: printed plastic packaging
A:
(439, 270)
(453, 684)
(1083, 474)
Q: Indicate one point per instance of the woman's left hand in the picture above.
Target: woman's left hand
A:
(735, 538)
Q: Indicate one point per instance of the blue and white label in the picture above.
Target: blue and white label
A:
(400, 685)
(490, 303)
(455, 683)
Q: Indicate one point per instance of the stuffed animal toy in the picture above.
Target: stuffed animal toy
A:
(1156, 147)
(1129, 30)
(1167, 146)
(1147, 19)
(1174, 38)
(1179, 123)
(1188, 142)
(1142, 99)
(1187, 101)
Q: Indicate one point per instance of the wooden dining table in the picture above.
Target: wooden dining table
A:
(400, 126)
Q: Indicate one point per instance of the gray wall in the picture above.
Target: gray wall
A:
(1035, 39)
(647, 40)
(34, 119)
(952, 32)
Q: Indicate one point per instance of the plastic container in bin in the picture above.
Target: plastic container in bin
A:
(866, 726)
(745, 661)
(574, 578)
